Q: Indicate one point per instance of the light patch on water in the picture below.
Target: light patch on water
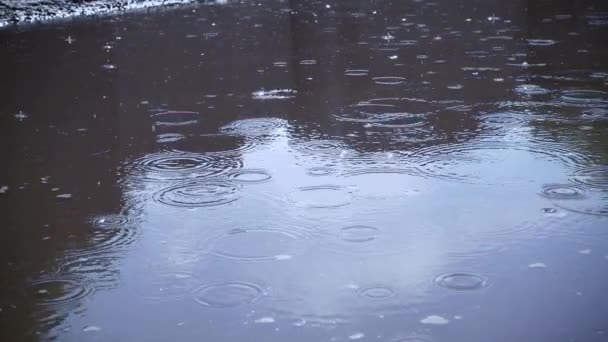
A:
(91, 328)
(265, 320)
(435, 320)
(537, 265)
(585, 251)
(3, 189)
(282, 257)
(356, 336)
(275, 94)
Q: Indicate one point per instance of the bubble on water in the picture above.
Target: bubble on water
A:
(462, 281)
(254, 127)
(249, 175)
(59, 291)
(256, 244)
(356, 72)
(377, 292)
(174, 118)
(321, 196)
(200, 193)
(167, 286)
(541, 42)
(228, 294)
(389, 80)
(275, 94)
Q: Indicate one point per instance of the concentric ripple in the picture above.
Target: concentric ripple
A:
(175, 118)
(254, 127)
(462, 281)
(180, 166)
(585, 97)
(359, 233)
(59, 291)
(249, 175)
(256, 244)
(562, 191)
(109, 233)
(331, 147)
(275, 94)
(387, 112)
(320, 171)
(595, 177)
(228, 294)
(201, 193)
(530, 89)
(321, 196)
(377, 292)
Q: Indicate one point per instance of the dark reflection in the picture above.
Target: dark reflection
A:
(350, 170)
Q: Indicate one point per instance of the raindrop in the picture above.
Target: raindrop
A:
(275, 94)
(254, 127)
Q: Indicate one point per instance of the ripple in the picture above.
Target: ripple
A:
(384, 182)
(167, 166)
(331, 147)
(110, 233)
(387, 112)
(462, 281)
(595, 114)
(256, 244)
(59, 291)
(202, 193)
(213, 143)
(594, 177)
(356, 72)
(275, 94)
(249, 175)
(389, 80)
(320, 171)
(377, 292)
(308, 62)
(321, 196)
(175, 118)
(586, 97)
(541, 42)
(359, 233)
(530, 89)
(562, 191)
(100, 268)
(228, 294)
(254, 127)
(168, 286)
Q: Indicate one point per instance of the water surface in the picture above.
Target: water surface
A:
(313, 171)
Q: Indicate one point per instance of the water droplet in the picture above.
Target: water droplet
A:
(228, 294)
(461, 281)
(195, 194)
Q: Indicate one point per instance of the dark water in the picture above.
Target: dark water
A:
(307, 171)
